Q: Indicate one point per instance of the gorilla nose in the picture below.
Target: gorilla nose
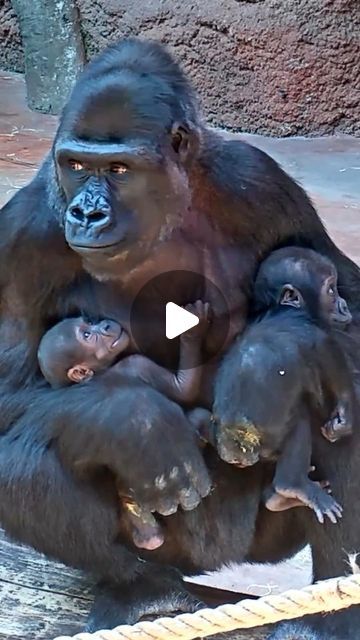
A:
(88, 216)
(109, 328)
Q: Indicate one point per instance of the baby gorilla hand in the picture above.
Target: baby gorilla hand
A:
(339, 426)
(202, 311)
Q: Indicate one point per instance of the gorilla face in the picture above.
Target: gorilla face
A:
(121, 165)
(118, 195)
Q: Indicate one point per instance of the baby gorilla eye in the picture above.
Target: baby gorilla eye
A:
(75, 165)
(331, 290)
(87, 334)
(119, 168)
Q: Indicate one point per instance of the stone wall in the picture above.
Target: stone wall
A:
(11, 52)
(281, 67)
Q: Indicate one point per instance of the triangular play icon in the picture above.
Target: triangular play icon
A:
(178, 320)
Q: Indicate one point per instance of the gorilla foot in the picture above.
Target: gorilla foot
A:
(162, 593)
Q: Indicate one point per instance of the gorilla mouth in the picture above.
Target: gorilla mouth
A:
(118, 339)
(97, 247)
(99, 253)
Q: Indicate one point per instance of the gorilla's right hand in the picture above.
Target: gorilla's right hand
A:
(141, 436)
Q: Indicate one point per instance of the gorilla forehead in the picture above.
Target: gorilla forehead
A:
(130, 90)
(118, 107)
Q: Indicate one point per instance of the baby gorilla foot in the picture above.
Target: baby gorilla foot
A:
(314, 495)
(276, 502)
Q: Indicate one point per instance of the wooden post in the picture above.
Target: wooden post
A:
(54, 51)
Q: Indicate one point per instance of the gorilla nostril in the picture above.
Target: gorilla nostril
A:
(97, 216)
(107, 327)
(77, 213)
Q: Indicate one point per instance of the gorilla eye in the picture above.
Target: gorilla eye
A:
(87, 334)
(331, 290)
(118, 168)
(75, 165)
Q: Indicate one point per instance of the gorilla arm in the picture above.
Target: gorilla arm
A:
(129, 421)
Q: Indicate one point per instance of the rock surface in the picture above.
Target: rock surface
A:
(11, 50)
(264, 66)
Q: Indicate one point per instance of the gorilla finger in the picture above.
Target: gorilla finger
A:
(319, 514)
(338, 510)
(148, 542)
(189, 499)
(202, 483)
(167, 507)
(331, 515)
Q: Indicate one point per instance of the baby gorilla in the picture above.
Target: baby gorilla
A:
(75, 349)
(286, 362)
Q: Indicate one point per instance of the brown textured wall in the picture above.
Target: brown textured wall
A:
(281, 67)
(11, 53)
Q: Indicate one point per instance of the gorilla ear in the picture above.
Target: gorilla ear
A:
(183, 142)
(291, 297)
(80, 373)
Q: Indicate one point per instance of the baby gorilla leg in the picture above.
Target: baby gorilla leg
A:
(291, 481)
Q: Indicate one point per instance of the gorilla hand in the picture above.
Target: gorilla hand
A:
(142, 437)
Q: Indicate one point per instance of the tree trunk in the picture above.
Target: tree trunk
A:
(54, 52)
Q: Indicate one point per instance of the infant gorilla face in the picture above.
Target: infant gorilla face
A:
(334, 306)
(100, 343)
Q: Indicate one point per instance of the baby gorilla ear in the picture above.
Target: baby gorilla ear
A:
(291, 296)
(80, 373)
(184, 142)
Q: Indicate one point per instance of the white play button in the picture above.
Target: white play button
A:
(178, 320)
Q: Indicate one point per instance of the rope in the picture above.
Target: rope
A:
(328, 595)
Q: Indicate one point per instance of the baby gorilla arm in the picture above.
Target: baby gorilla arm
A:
(182, 386)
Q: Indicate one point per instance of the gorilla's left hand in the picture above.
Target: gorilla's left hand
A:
(142, 437)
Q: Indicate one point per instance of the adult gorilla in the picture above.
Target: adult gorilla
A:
(136, 185)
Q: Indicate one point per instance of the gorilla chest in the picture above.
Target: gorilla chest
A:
(219, 275)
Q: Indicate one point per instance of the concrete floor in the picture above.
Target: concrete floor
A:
(329, 168)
